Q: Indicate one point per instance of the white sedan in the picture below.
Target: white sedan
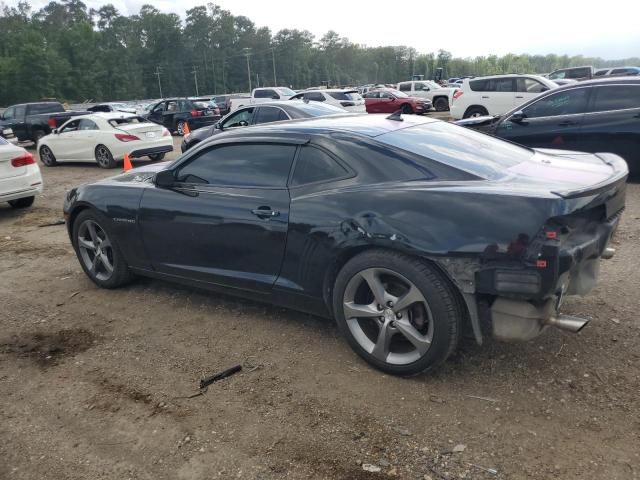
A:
(20, 179)
(105, 138)
(349, 100)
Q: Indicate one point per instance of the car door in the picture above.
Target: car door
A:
(371, 101)
(19, 125)
(386, 103)
(67, 143)
(554, 121)
(171, 108)
(225, 220)
(87, 138)
(612, 123)
(155, 115)
(501, 95)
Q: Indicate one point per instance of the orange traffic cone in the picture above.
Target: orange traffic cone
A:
(186, 130)
(127, 162)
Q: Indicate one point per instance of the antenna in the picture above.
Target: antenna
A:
(396, 116)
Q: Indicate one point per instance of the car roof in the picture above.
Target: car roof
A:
(601, 81)
(370, 125)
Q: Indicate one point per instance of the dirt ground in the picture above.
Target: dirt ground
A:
(93, 383)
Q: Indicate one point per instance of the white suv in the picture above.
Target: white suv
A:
(349, 100)
(496, 95)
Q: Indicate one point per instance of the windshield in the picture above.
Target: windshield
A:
(114, 122)
(459, 147)
(284, 91)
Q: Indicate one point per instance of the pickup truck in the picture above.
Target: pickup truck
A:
(439, 96)
(262, 95)
(32, 121)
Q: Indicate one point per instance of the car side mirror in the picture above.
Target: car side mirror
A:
(218, 126)
(164, 179)
(517, 117)
(54, 131)
(275, 97)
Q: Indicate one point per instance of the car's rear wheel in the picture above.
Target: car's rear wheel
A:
(98, 251)
(441, 104)
(180, 127)
(475, 111)
(156, 157)
(104, 157)
(24, 202)
(398, 313)
(47, 157)
(406, 109)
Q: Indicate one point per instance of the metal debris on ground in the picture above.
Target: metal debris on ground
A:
(205, 382)
(486, 399)
(52, 224)
(492, 471)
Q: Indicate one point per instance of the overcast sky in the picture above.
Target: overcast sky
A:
(464, 27)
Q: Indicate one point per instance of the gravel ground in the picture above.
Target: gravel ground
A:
(93, 383)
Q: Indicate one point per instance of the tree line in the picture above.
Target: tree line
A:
(70, 52)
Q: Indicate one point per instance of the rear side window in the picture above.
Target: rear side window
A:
(86, 124)
(254, 165)
(314, 97)
(567, 102)
(616, 97)
(600, 73)
(493, 85)
(267, 115)
(265, 93)
(578, 72)
(314, 165)
(46, 108)
(405, 87)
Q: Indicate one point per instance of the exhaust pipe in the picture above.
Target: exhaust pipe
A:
(568, 323)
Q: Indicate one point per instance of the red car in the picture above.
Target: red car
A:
(388, 100)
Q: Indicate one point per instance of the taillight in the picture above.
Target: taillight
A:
(196, 113)
(125, 137)
(23, 160)
(457, 94)
(347, 104)
(51, 122)
(166, 133)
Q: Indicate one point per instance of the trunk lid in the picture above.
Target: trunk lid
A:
(8, 152)
(142, 130)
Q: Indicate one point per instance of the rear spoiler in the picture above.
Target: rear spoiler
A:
(620, 173)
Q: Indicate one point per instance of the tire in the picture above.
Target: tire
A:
(441, 104)
(434, 324)
(24, 202)
(406, 109)
(180, 127)
(110, 270)
(156, 157)
(104, 157)
(47, 157)
(475, 111)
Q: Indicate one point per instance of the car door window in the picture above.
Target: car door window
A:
(267, 115)
(72, 126)
(172, 107)
(314, 97)
(246, 165)
(405, 87)
(567, 102)
(86, 124)
(501, 85)
(616, 97)
(529, 85)
(158, 108)
(239, 119)
(371, 95)
(314, 165)
(384, 95)
(20, 111)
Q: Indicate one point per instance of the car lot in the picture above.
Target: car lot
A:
(92, 382)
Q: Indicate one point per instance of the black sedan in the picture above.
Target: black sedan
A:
(175, 113)
(592, 116)
(258, 114)
(410, 232)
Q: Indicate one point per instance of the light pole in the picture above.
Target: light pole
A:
(158, 75)
(273, 58)
(195, 77)
(247, 52)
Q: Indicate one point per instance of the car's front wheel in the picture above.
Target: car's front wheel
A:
(98, 252)
(47, 157)
(406, 109)
(398, 313)
(441, 104)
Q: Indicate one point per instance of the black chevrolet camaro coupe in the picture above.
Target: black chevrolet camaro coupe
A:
(410, 232)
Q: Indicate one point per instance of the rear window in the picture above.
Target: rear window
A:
(459, 147)
(114, 122)
(201, 105)
(345, 96)
(46, 108)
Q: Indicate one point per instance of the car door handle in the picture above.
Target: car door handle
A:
(485, 97)
(566, 123)
(265, 212)
(519, 97)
